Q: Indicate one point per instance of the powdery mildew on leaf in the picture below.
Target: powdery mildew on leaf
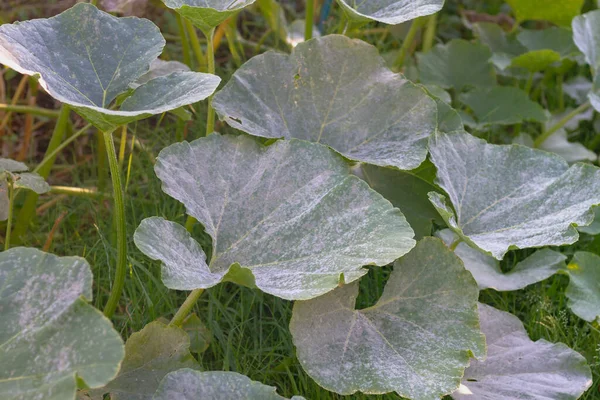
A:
(49, 333)
(586, 34)
(519, 368)
(187, 384)
(511, 196)
(415, 341)
(207, 14)
(291, 215)
(486, 270)
(583, 291)
(336, 91)
(391, 12)
(86, 58)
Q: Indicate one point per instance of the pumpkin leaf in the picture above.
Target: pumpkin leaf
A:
(559, 12)
(207, 14)
(583, 291)
(391, 12)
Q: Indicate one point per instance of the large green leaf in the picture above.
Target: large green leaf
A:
(86, 58)
(415, 341)
(187, 384)
(290, 216)
(504, 47)
(150, 354)
(408, 191)
(511, 196)
(457, 64)
(207, 14)
(561, 12)
(336, 91)
(519, 368)
(583, 291)
(586, 34)
(503, 105)
(391, 12)
(49, 336)
(487, 272)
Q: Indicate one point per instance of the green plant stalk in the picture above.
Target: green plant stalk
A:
(187, 60)
(186, 307)
(309, 19)
(210, 119)
(560, 124)
(79, 192)
(11, 201)
(195, 45)
(561, 93)
(230, 33)
(119, 204)
(430, 33)
(101, 159)
(408, 41)
(529, 83)
(50, 157)
(27, 211)
(122, 146)
(42, 112)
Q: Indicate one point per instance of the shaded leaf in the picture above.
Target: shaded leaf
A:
(50, 337)
(560, 12)
(557, 39)
(457, 64)
(415, 341)
(391, 12)
(511, 196)
(293, 230)
(583, 291)
(207, 14)
(336, 91)
(200, 336)
(486, 270)
(578, 89)
(504, 47)
(518, 368)
(187, 384)
(150, 354)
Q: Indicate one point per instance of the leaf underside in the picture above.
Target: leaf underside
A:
(207, 14)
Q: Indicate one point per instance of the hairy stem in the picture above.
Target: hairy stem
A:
(210, 119)
(560, 124)
(309, 19)
(119, 205)
(11, 201)
(408, 42)
(186, 307)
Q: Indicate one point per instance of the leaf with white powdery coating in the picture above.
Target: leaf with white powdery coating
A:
(511, 196)
(519, 368)
(336, 91)
(417, 340)
(586, 34)
(583, 291)
(50, 337)
(207, 14)
(391, 12)
(294, 230)
(88, 71)
(187, 384)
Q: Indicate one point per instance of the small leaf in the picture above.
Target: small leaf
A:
(511, 196)
(457, 64)
(187, 384)
(560, 12)
(336, 91)
(518, 368)
(150, 354)
(32, 181)
(391, 12)
(50, 337)
(535, 61)
(6, 164)
(503, 105)
(293, 230)
(207, 14)
(415, 341)
(486, 270)
(583, 291)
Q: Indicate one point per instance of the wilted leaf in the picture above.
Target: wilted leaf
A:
(86, 58)
(583, 291)
(503, 105)
(207, 14)
(336, 91)
(293, 230)
(518, 368)
(486, 270)
(560, 12)
(391, 12)
(50, 337)
(150, 354)
(187, 384)
(457, 64)
(511, 196)
(415, 341)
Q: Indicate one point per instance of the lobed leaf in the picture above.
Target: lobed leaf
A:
(207, 14)
(336, 91)
(391, 12)
(291, 231)
(583, 291)
(415, 341)
(50, 337)
(510, 196)
(518, 368)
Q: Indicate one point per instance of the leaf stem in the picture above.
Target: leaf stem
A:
(309, 19)
(186, 307)
(187, 59)
(39, 111)
(560, 124)
(210, 119)
(430, 33)
(455, 244)
(51, 156)
(408, 41)
(195, 45)
(121, 270)
(11, 201)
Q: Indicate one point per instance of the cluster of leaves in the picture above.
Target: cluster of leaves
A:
(361, 168)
